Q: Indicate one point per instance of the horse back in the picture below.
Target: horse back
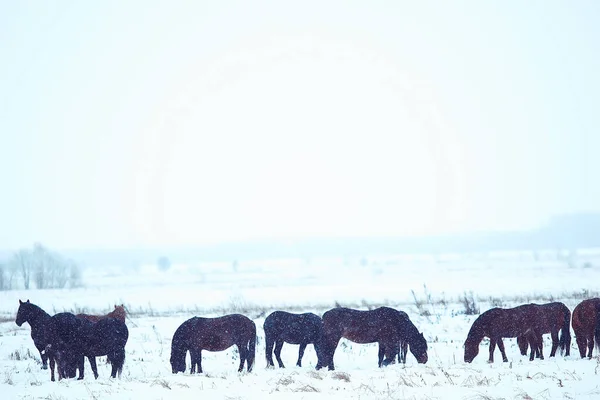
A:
(362, 326)
(584, 316)
(218, 334)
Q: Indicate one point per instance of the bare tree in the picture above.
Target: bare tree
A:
(23, 263)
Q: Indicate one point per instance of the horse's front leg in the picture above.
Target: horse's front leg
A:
(52, 365)
(590, 345)
(278, 347)
(92, 360)
(194, 360)
(502, 351)
(199, 361)
(403, 352)
(492, 349)
(380, 355)
(301, 353)
(44, 357)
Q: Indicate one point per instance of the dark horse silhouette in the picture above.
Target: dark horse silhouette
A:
(72, 338)
(553, 317)
(302, 329)
(213, 334)
(384, 325)
(584, 322)
(528, 320)
(118, 313)
(37, 319)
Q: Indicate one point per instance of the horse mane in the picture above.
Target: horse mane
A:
(36, 311)
(477, 331)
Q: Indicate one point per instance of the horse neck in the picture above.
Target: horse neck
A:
(477, 332)
(37, 315)
(410, 330)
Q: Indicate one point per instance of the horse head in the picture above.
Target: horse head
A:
(418, 348)
(24, 312)
(471, 350)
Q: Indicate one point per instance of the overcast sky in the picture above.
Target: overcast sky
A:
(127, 123)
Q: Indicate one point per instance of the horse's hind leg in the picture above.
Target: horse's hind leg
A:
(590, 345)
(278, 347)
(243, 350)
(380, 355)
(554, 335)
(269, 351)
(301, 353)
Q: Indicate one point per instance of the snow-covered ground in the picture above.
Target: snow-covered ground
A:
(428, 288)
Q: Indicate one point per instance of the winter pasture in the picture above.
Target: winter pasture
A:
(434, 290)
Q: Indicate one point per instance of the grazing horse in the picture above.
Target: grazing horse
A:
(118, 313)
(552, 318)
(528, 320)
(213, 334)
(302, 329)
(37, 319)
(72, 338)
(584, 322)
(386, 326)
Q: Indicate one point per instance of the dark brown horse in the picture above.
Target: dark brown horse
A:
(528, 320)
(302, 329)
(386, 326)
(71, 338)
(118, 313)
(553, 317)
(584, 323)
(37, 319)
(213, 334)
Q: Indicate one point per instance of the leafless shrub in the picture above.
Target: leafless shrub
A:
(161, 382)
(315, 375)
(469, 304)
(285, 380)
(341, 376)
(306, 388)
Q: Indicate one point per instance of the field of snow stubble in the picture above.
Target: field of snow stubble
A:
(430, 289)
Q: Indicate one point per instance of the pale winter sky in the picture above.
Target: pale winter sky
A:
(154, 122)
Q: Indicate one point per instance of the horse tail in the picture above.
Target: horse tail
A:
(564, 341)
(597, 328)
(251, 349)
(117, 360)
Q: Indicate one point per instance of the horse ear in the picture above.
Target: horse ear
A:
(20, 302)
(27, 301)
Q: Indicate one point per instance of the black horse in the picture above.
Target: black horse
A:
(72, 338)
(37, 319)
(302, 329)
(213, 334)
(384, 325)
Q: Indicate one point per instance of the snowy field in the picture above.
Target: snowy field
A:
(429, 288)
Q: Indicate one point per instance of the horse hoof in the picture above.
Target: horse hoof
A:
(44, 367)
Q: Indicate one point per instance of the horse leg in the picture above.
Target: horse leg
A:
(52, 365)
(44, 357)
(332, 345)
(243, 350)
(581, 344)
(301, 353)
(403, 352)
(522, 342)
(492, 348)
(554, 335)
(194, 360)
(501, 347)
(380, 355)
(92, 360)
(590, 345)
(278, 347)
(269, 351)
(199, 359)
(390, 354)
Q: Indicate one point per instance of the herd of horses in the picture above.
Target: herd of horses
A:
(64, 340)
